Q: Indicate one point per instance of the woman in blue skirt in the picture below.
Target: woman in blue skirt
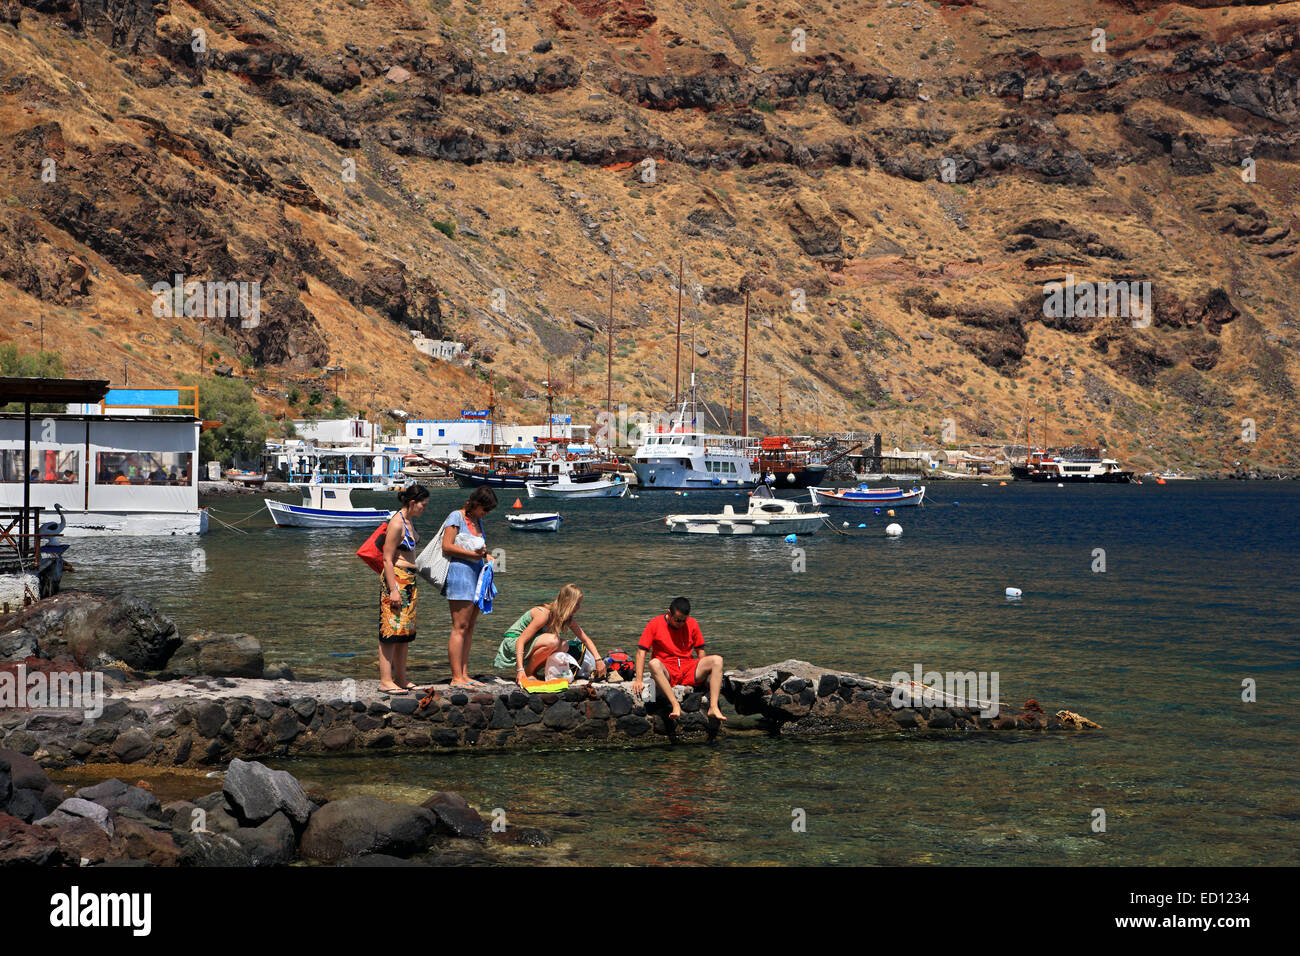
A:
(465, 547)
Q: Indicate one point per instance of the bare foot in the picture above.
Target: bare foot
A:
(716, 714)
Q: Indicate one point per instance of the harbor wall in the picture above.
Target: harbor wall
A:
(209, 721)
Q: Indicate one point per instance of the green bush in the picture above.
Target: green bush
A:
(243, 430)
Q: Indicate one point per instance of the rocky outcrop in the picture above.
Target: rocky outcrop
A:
(218, 655)
(94, 630)
(357, 826)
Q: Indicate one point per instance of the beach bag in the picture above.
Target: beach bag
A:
(432, 564)
(372, 552)
(618, 662)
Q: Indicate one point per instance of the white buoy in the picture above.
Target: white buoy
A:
(894, 530)
(1059, 485)
(845, 525)
(1013, 592)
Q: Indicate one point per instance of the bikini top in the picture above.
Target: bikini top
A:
(409, 537)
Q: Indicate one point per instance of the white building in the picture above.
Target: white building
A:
(337, 432)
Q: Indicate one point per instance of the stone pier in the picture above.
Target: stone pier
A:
(210, 721)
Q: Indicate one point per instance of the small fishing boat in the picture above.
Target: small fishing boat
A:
(325, 507)
(247, 478)
(539, 521)
(865, 497)
(765, 515)
(587, 489)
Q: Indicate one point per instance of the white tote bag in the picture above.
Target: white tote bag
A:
(432, 564)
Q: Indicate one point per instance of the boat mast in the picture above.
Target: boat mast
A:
(744, 381)
(677, 363)
(609, 349)
(550, 417)
(780, 415)
(492, 438)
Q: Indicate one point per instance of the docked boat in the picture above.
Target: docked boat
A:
(766, 515)
(680, 456)
(324, 506)
(790, 462)
(1042, 465)
(568, 489)
(865, 497)
(539, 521)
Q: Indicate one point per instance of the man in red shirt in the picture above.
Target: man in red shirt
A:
(676, 649)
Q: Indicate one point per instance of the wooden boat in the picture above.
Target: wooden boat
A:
(325, 507)
(864, 497)
(766, 515)
(534, 522)
(569, 489)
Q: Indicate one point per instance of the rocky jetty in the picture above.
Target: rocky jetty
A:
(260, 817)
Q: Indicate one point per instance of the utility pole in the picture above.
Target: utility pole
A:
(42, 331)
(203, 334)
(677, 364)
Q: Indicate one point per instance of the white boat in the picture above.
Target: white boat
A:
(371, 469)
(325, 507)
(682, 456)
(539, 521)
(110, 474)
(586, 489)
(864, 497)
(765, 515)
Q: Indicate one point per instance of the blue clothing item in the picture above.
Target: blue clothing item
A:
(409, 538)
(486, 589)
(462, 579)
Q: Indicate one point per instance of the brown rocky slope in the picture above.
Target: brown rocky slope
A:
(474, 170)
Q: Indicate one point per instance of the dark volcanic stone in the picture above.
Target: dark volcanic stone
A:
(501, 716)
(828, 685)
(208, 718)
(257, 793)
(22, 844)
(359, 825)
(270, 844)
(620, 704)
(405, 705)
(561, 716)
(456, 817)
(133, 745)
(632, 725)
(338, 738)
(113, 794)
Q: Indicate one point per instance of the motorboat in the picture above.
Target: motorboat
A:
(539, 521)
(569, 489)
(766, 515)
(324, 506)
(864, 497)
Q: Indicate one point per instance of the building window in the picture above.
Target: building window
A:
(143, 468)
(441, 432)
(48, 467)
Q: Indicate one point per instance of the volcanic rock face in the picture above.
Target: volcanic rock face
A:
(401, 168)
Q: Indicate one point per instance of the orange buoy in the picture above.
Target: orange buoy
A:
(517, 504)
(1002, 484)
(1160, 481)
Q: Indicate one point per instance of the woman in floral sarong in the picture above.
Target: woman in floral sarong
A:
(397, 591)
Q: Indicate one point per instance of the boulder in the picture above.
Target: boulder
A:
(116, 795)
(212, 654)
(22, 844)
(356, 826)
(271, 844)
(812, 224)
(455, 816)
(256, 792)
(25, 790)
(95, 630)
(83, 839)
(75, 809)
(210, 849)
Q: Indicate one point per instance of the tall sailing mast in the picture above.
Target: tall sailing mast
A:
(609, 349)
(677, 364)
(744, 386)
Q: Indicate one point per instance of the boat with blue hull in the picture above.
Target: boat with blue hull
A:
(325, 507)
(864, 496)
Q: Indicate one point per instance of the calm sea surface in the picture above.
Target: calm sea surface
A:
(1199, 594)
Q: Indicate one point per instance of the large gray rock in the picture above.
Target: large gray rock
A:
(271, 844)
(94, 630)
(359, 825)
(75, 809)
(116, 795)
(256, 792)
(211, 654)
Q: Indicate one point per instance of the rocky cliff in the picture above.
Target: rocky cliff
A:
(894, 183)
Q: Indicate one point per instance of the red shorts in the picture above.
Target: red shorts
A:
(681, 670)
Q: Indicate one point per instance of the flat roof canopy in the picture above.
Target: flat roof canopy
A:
(80, 390)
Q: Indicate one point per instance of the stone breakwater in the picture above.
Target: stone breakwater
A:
(208, 722)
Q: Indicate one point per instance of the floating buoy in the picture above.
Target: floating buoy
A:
(875, 511)
(1059, 485)
(1002, 484)
(1160, 481)
(890, 512)
(1013, 592)
(518, 504)
(791, 539)
(861, 526)
(956, 502)
(845, 525)
(894, 530)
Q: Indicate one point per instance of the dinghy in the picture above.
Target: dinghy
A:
(587, 489)
(865, 497)
(766, 515)
(538, 521)
(325, 507)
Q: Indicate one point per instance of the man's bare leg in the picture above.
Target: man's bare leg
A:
(711, 667)
(660, 677)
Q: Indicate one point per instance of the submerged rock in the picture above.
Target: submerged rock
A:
(356, 826)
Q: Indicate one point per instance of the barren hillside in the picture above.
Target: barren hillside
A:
(893, 182)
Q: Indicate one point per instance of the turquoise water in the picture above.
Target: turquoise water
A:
(1198, 595)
